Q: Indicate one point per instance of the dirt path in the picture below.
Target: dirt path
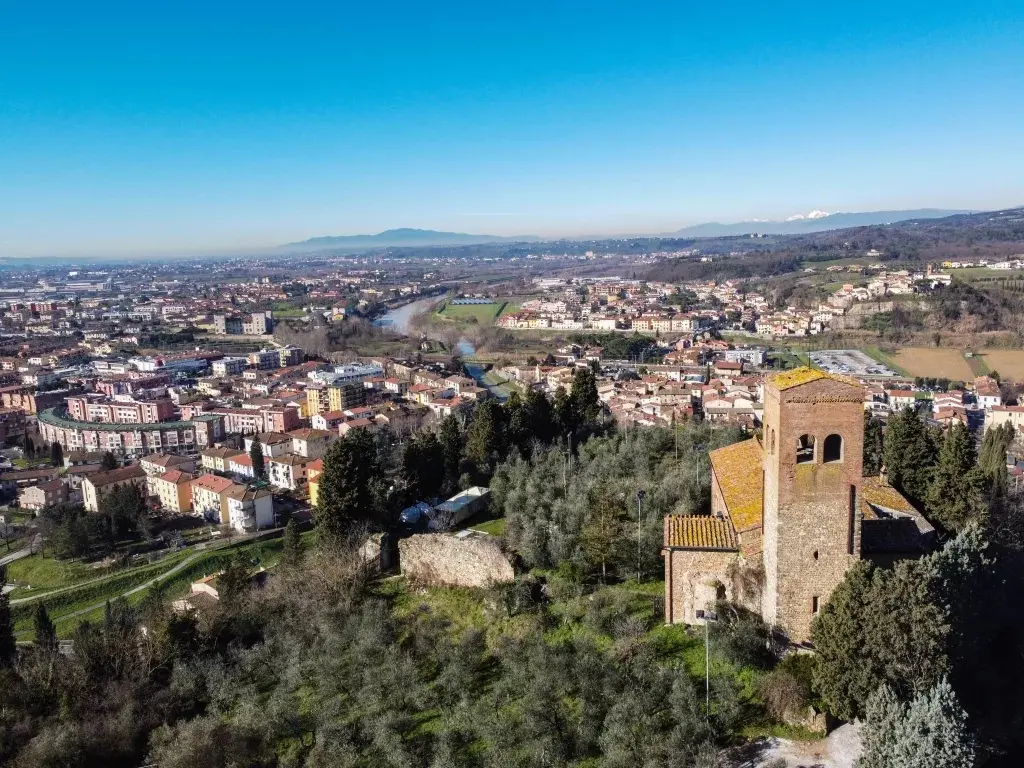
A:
(838, 750)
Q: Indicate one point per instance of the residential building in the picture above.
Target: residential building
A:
(216, 459)
(134, 439)
(173, 489)
(274, 443)
(38, 497)
(229, 366)
(159, 463)
(288, 471)
(248, 509)
(207, 500)
(313, 471)
(95, 486)
(311, 443)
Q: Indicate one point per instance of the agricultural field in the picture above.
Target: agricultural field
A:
(510, 306)
(1009, 363)
(938, 363)
(479, 313)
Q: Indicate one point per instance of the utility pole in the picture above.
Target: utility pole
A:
(708, 617)
(639, 530)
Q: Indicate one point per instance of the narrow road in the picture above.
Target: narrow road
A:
(16, 555)
(207, 546)
(132, 591)
(160, 577)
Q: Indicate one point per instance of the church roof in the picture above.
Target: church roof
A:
(805, 375)
(891, 524)
(875, 494)
(738, 470)
(699, 532)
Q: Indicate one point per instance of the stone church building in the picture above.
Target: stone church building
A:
(791, 511)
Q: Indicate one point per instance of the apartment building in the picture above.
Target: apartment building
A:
(95, 486)
(173, 489)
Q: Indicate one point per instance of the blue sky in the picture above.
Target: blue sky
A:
(159, 127)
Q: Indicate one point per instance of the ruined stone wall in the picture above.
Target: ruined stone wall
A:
(444, 560)
(692, 582)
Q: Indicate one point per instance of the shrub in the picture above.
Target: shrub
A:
(783, 694)
(743, 637)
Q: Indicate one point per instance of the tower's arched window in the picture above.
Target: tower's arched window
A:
(771, 442)
(833, 449)
(805, 449)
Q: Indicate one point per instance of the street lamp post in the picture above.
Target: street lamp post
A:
(708, 617)
(639, 529)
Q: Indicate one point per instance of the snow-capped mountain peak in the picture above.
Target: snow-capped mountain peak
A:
(811, 215)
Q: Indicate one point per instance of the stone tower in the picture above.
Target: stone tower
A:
(813, 433)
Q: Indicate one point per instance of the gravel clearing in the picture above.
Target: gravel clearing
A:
(839, 749)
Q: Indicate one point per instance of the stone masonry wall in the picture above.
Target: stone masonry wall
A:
(817, 536)
(444, 560)
(691, 581)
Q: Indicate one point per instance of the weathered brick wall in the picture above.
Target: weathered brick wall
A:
(816, 533)
(691, 581)
(770, 515)
(443, 559)
(718, 508)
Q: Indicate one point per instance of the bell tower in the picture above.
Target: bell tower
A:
(813, 433)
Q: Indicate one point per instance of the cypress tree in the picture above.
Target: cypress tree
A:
(292, 550)
(56, 454)
(874, 446)
(46, 633)
(539, 415)
(451, 450)
(992, 462)
(909, 454)
(259, 463)
(585, 404)
(483, 439)
(346, 493)
(956, 493)
(8, 646)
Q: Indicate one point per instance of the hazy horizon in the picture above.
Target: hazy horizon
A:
(234, 128)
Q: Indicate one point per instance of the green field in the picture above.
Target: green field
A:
(37, 574)
(480, 313)
(510, 306)
(975, 273)
(65, 607)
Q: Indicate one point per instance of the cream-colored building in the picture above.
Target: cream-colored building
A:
(242, 507)
(159, 463)
(96, 485)
(217, 459)
(173, 489)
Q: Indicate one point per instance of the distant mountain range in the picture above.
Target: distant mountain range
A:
(815, 221)
(402, 237)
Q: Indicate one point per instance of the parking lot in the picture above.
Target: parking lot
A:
(850, 362)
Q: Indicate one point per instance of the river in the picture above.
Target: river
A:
(398, 320)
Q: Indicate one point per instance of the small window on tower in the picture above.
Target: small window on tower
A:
(815, 604)
(771, 442)
(833, 449)
(805, 449)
